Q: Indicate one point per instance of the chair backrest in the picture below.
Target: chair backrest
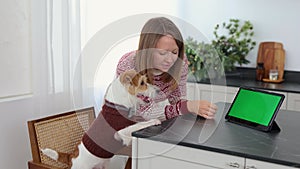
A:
(61, 132)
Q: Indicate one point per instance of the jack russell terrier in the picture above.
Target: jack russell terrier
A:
(111, 130)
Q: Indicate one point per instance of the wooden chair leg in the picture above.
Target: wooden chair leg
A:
(128, 164)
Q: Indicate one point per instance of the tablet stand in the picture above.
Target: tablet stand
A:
(274, 127)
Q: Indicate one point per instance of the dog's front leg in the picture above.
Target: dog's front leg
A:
(87, 160)
(102, 165)
(124, 135)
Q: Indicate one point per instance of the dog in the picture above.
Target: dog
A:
(122, 98)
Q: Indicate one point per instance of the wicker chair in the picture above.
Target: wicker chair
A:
(60, 132)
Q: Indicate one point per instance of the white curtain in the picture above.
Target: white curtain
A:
(39, 58)
(63, 51)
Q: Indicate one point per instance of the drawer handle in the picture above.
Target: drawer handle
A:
(250, 167)
(234, 165)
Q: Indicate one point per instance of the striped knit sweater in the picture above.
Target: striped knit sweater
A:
(99, 139)
(178, 104)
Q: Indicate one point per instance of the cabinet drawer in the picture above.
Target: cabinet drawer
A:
(167, 162)
(255, 164)
(293, 102)
(155, 149)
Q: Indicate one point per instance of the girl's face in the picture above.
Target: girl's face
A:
(165, 55)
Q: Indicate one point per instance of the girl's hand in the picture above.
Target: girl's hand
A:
(202, 108)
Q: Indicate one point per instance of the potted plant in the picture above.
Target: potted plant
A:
(204, 61)
(234, 46)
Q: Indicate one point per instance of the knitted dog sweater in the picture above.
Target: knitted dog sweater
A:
(99, 138)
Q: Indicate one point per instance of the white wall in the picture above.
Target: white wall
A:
(23, 33)
(273, 20)
(16, 82)
(99, 70)
(15, 22)
(24, 61)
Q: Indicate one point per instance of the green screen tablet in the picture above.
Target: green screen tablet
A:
(255, 108)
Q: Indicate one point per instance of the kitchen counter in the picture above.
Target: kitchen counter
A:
(221, 136)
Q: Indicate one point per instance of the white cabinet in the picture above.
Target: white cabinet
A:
(148, 154)
(154, 154)
(255, 164)
(293, 102)
(166, 162)
(217, 93)
(212, 93)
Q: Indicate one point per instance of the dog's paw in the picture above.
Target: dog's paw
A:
(154, 122)
(123, 136)
(127, 141)
(103, 164)
(50, 153)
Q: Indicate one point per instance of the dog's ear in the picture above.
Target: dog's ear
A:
(126, 77)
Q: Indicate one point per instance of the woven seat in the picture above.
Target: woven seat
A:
(60, 132)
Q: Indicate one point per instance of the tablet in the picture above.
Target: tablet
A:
(255, 108)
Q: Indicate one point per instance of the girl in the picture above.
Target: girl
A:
(160, 56)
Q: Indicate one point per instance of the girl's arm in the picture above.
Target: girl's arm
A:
(175, 105)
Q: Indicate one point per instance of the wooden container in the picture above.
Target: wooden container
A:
(272, 55)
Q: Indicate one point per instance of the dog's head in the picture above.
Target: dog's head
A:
(134, 82)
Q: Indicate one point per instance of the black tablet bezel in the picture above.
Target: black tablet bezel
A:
(250, 124)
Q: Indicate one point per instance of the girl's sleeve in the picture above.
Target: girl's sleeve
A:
(177, 98)
(177, 103)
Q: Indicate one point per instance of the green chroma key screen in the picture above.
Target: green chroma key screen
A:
(253, 106)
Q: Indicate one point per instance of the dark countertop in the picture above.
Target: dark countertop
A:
(221, 136)
(246, 77)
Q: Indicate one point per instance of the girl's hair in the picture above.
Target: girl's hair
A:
(152, 31)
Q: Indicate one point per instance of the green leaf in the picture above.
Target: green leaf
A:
(234, 46)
